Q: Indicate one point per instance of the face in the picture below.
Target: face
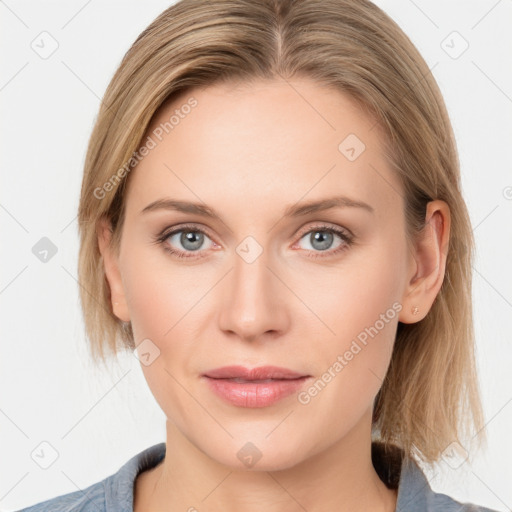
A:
(263, 280)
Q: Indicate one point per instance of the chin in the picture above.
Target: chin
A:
(257, 455)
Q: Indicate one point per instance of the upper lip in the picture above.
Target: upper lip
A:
(259, 373)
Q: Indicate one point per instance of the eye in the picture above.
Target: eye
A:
(184, 241)
(188, 240)
(321, 238)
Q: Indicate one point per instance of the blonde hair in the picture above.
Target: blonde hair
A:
(430, 396)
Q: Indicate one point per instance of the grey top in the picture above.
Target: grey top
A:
(115, 493)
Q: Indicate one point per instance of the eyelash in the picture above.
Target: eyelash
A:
(348, 240)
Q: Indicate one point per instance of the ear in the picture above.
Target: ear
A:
(111, 269)
(428, 263)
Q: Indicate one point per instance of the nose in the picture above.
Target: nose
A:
(254, 301)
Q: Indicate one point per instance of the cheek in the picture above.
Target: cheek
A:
(362, 290)
(159, 292)
(361, 308)
(352, 364)
(160, 298)
(166, 303)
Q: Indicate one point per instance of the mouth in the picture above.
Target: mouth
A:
(254, 374)
(256, 387)
(259, 381)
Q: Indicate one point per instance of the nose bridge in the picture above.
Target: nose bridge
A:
(253, 303)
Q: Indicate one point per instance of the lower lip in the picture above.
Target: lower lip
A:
(254, 394)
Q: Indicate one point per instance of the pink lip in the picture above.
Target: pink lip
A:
(256, 387)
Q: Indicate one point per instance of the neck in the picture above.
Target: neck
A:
(341, 478)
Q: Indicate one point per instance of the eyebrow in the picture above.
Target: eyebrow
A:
(295, 210)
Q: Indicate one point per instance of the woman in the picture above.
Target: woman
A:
(271, 218)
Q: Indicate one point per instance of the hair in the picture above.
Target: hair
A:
(430, 395)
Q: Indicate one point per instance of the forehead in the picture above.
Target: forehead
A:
(282, 139)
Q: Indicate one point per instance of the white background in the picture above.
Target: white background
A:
(97, 420)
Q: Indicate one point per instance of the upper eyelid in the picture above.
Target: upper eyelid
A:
(167, 232)
(326, 226)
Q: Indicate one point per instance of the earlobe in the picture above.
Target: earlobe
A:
(429, 253)
(111, 270)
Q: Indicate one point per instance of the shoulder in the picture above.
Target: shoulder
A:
(88, 500)
(112, 494)
(445, 503)
(414, 492)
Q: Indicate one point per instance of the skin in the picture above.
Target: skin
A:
(249, 151)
